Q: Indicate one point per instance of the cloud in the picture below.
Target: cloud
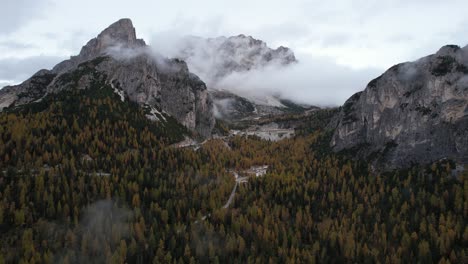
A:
(4, 83)
(15, 45)
(125, 54)
(16, 13)
(223, 107)
(359, 35)
(314, 80)
(17, 70)
(102, 216)
(101, 227)
(119, 52)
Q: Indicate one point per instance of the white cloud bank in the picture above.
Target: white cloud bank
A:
(313, 80)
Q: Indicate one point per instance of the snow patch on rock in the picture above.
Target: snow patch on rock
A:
(119, 92)
(156, 115)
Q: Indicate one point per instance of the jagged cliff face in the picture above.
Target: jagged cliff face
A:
(415, 112)
(117, 58)
(121, 34)
(215, 58)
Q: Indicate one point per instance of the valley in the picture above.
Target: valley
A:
(120, 155)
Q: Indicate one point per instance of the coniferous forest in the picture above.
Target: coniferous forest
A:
(88, 178)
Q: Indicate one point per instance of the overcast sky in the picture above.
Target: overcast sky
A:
(365, 37)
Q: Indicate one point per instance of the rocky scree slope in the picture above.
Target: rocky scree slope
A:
(416, 112)
(118, 58)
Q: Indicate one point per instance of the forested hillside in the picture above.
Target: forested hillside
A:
(88, 178)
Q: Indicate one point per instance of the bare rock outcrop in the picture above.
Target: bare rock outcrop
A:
(416, 112)
(120, 34)
(214, 59)
(118, 59)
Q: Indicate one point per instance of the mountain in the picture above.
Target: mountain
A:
(120, 34)
(416, 112)
(215, 60)
(118, 59)
(93, 169)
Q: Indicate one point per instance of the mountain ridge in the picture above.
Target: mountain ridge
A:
(120, 59)
(415, 112)
(217, 59)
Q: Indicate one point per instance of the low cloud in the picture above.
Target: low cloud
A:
(119, 52)
(222, 107)
(313, 80)
(102, 227)
(122, 53)
(4, 83)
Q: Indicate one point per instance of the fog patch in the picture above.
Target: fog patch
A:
(408, 72)
(313, 80)
(222, 108)
(120, 52)
(100, 231)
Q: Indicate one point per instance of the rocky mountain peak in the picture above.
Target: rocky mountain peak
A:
(215, 58)
(255, 51)
(117, 59)
(248, 41)
(121, 30)
(120, 34)
(448, 50)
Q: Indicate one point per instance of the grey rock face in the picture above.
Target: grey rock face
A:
(118, 59)
(30, 90)
(166, 85)
(214, 58)
(243, 53)
(416, 112)
(229, 106)
(120, 34)
(233, 108)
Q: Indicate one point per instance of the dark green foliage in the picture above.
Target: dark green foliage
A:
(317, 120)
(462, 68)
(38, 85)
(221, 128)
(443, 65)
(292, 107)
(389, 146)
